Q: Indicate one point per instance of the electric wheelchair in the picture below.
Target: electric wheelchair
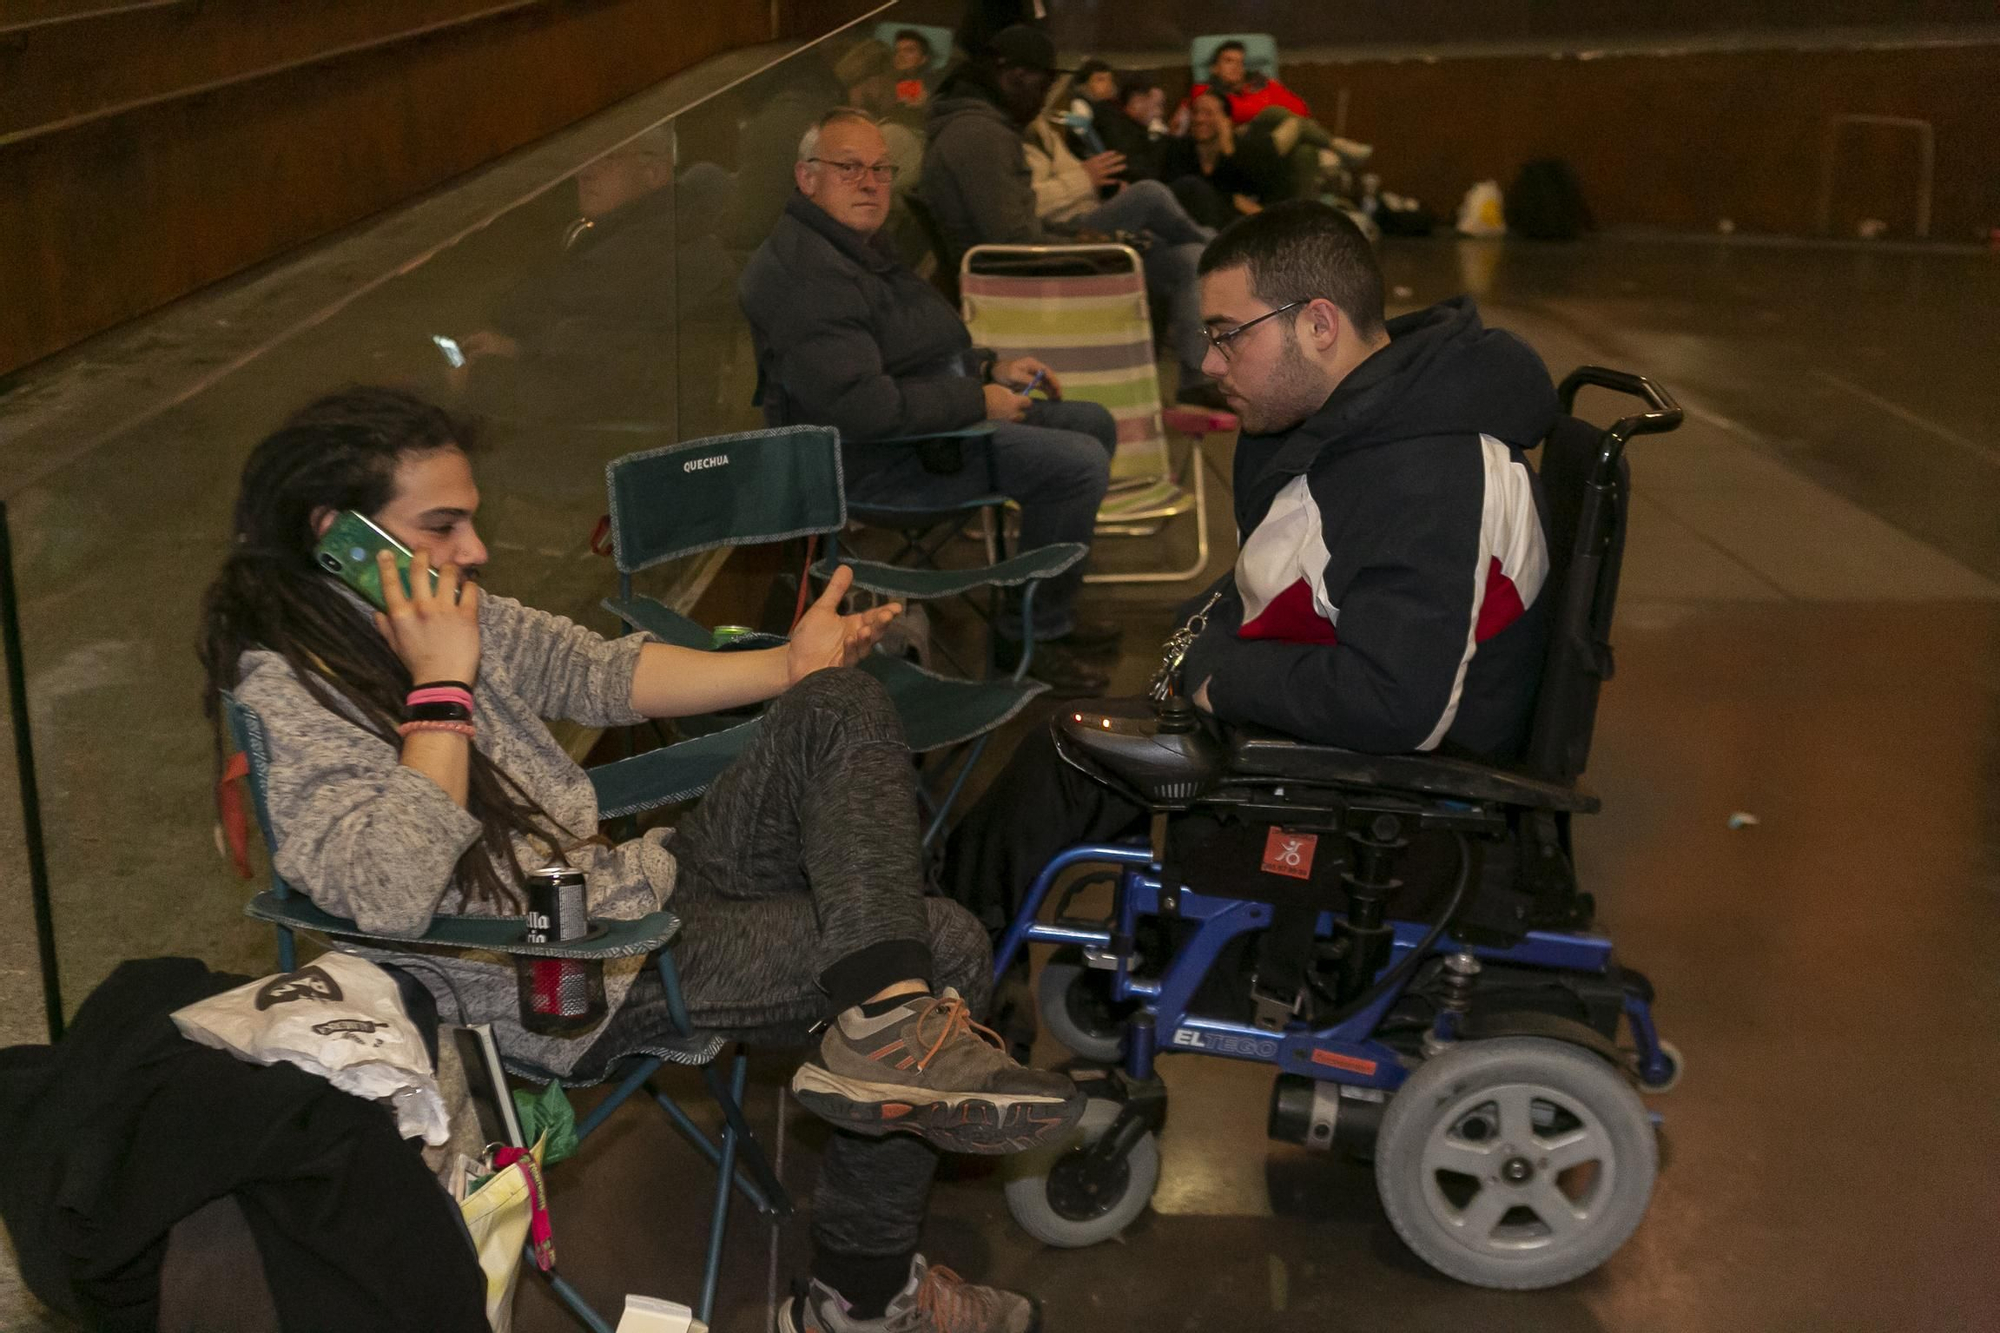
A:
(1402, 936)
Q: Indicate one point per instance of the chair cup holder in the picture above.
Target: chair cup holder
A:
(560, 997)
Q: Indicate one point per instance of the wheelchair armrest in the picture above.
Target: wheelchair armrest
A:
(489, 934)
(1256, 752)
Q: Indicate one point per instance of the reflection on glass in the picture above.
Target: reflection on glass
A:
(593, 318)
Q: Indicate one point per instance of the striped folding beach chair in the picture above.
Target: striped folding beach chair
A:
(1083, 310)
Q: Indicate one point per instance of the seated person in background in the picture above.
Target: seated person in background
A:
(1245, 91)
(1386, 597)
(797, 879)
(1096, 82)
(912, 61)
(979, 185)
(849, 337)
(1129, 125)
(1202, 169)
(1066, 186)
(1093, 86)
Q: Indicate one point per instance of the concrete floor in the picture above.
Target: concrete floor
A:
(1808, 633)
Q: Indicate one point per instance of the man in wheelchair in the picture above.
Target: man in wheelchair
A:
(1387, 596)
(1357, 768)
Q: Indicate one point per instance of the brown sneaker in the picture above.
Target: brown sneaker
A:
(926, 1068)
(936, 1300)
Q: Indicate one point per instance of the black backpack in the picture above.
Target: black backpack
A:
(1546, 203)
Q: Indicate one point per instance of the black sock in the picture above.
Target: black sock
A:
(872, 968)
(867, 1282)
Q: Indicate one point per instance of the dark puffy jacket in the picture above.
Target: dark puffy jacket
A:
(1387, 597)
(848, 336)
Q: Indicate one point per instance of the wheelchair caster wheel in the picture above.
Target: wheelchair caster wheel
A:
(1063, 1198)
(1676, 1066)
(1077, 1009)
(1515, 1162)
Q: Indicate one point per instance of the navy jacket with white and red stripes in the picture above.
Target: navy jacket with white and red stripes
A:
(1387, 597)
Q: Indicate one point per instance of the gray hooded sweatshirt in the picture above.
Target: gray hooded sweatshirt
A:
(976, 181)
(365, 837)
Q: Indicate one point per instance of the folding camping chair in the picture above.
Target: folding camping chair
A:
(925, 530)
(1083, 310)
(775, 485)
(736, 1152)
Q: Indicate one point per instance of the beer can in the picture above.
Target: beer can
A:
(725, 636)
(556, 909)
(560, 997)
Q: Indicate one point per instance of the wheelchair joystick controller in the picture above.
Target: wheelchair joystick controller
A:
(1171, 708)
(1160, 746)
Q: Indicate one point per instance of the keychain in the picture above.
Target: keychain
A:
(1174, 652)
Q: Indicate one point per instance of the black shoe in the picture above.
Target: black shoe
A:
(1092, 636)
(1055, 665)
(1198, 390)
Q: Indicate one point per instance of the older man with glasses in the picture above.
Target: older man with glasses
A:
(848, 336)
(1387, 594)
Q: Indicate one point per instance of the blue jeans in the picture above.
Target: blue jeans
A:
(1178, 239)
(1056, 465)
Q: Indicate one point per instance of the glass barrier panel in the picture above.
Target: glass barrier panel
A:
(587, 313)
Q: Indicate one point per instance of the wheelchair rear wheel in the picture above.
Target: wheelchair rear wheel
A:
(1060, 1199)
(1515, 1162)
(1077, 1009)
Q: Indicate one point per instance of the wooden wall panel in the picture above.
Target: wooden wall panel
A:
(114, 216)
(58, 70)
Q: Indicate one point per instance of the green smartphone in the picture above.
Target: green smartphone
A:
(348, 552)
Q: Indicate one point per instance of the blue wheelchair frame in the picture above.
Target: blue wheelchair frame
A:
(1345, 1052)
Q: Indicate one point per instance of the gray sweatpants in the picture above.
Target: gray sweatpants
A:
(800, 871)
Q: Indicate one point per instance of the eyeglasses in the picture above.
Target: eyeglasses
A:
(1221, 341)
(850, 173)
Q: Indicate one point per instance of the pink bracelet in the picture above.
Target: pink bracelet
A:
(464, 729)
(441, 694)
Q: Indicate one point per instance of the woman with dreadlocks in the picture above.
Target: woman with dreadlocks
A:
(797, 878)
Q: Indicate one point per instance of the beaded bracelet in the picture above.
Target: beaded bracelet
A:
(465, 729)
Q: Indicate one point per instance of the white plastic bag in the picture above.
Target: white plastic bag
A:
(339, 1017)
(1483, 211)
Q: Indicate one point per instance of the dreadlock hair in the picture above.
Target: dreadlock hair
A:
(341, 452)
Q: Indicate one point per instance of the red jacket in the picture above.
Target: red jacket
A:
(1248, 100)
